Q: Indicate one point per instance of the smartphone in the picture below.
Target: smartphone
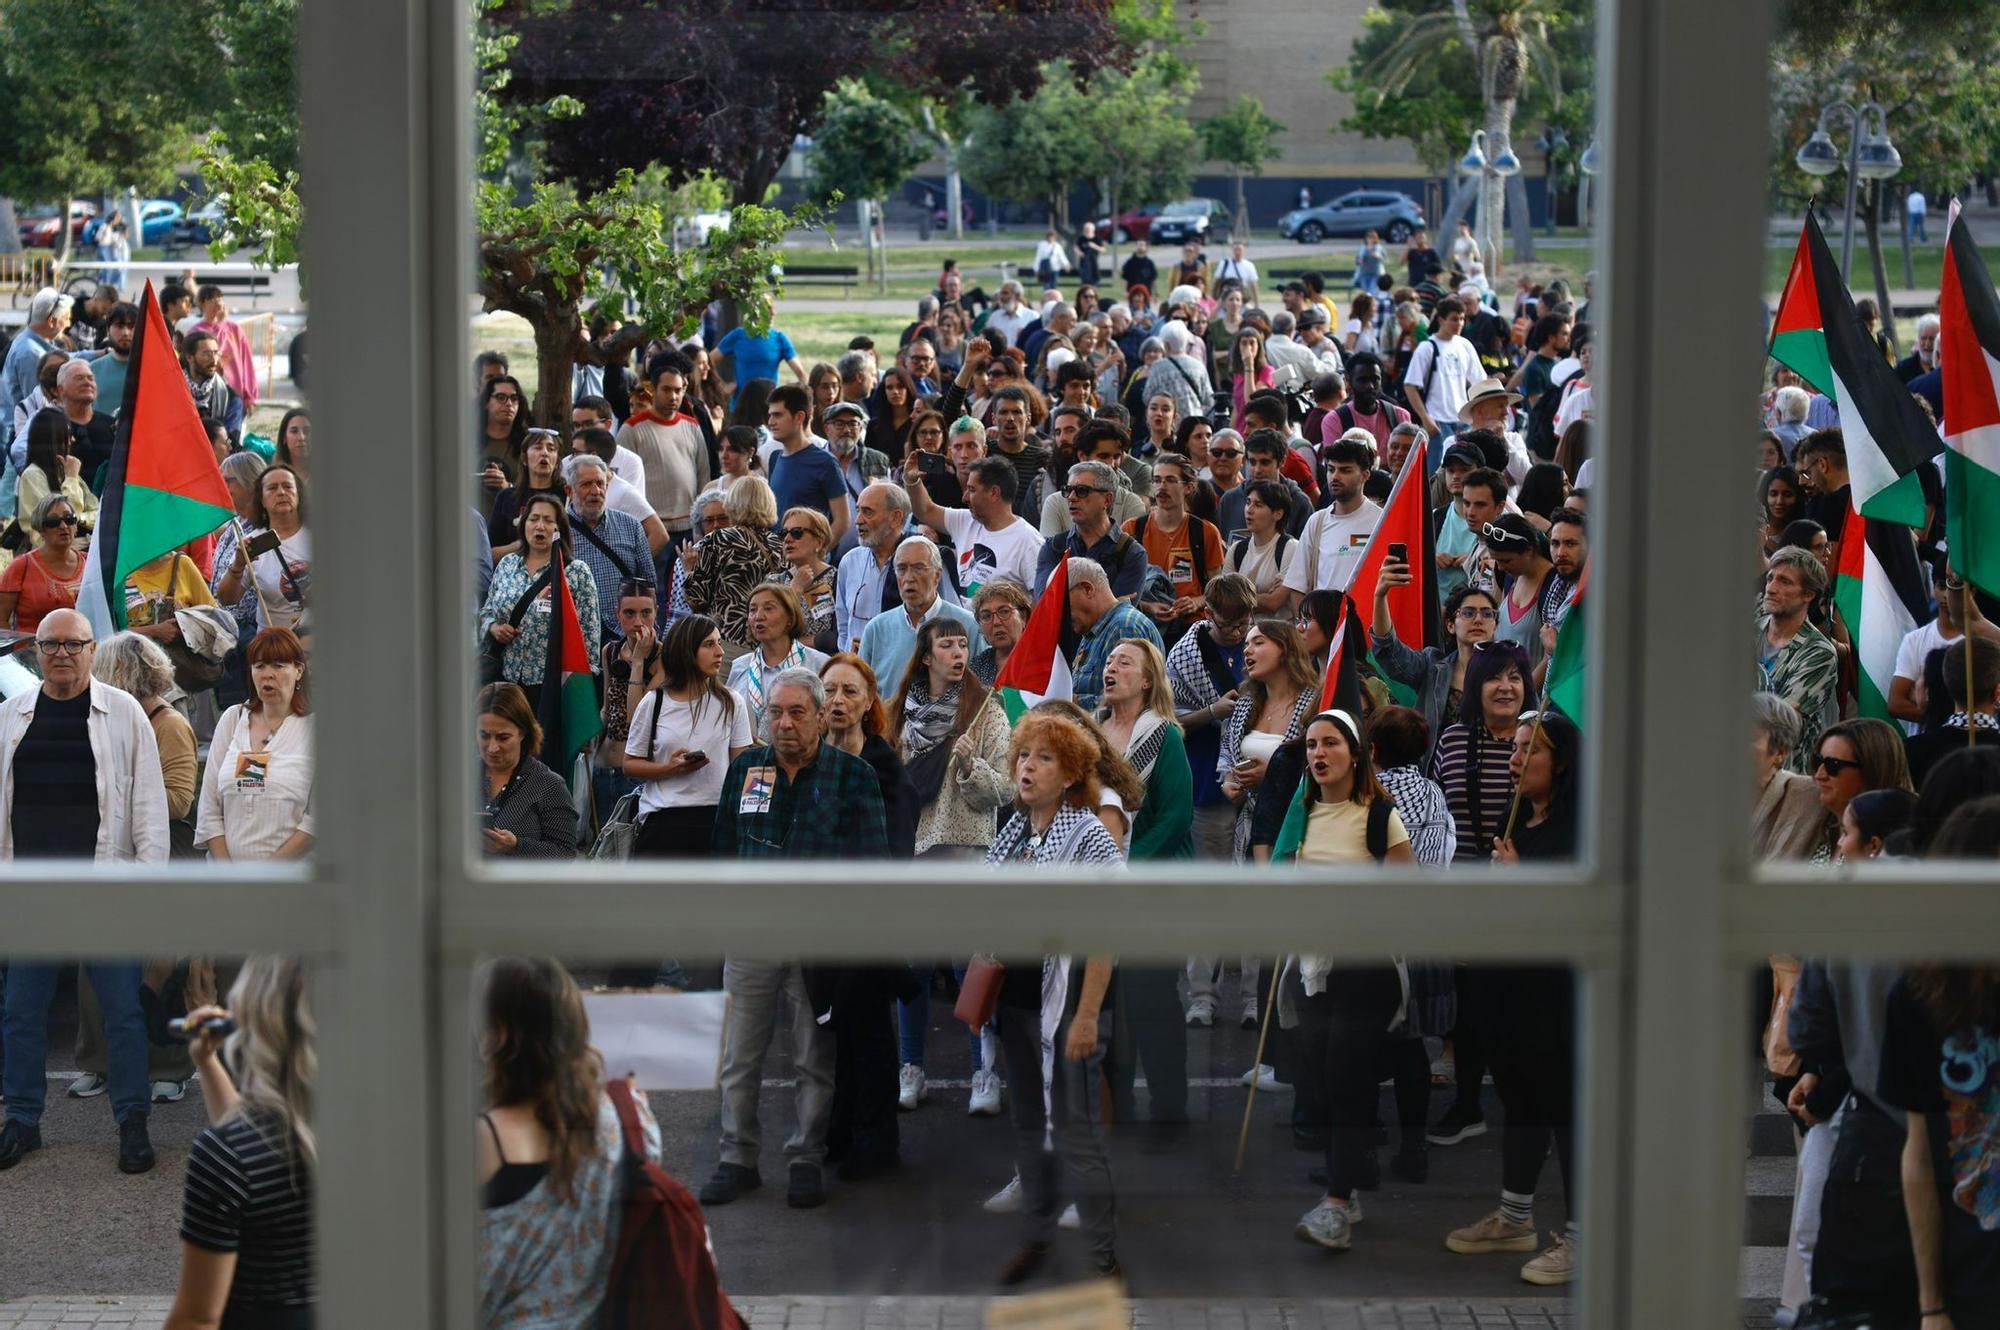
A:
(217, 1026)
(936, 463)
(486, 820)
(1399, 551)
(264, 542)
(697, 759)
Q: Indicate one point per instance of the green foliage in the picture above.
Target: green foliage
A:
(1243, 138)
(865, 147)
(261, 205)
(255, 90)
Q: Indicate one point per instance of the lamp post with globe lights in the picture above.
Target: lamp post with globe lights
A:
(1870, 156)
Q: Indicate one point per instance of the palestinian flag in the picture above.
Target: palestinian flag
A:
(1969, 360)
(1882, 594)
(1564, 686)
(568, 710)
(1818, 336)
(1037, 668)
(1341, 688)
(162, 487)
(1405, 521)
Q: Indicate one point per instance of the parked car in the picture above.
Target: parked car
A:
(194, 228)
(41, 229)
(1128, 226)
(157, 219)
(1191, 219)
(1356, 213)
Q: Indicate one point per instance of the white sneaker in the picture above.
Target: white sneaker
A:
(1250, 1015)
(1070, 1218)
(911, 1082)
(1328, 1224)
(1265, 1076)
(88, 1086)
(169, 1092)
(985, 1101)
(1007, 1200)
(1201, 1011)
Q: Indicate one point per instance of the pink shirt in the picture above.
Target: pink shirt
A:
(238, 365)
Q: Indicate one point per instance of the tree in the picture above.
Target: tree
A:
(1418, 71)
(730, 85)
(1242, 138)
(865, 149)
(99, 97)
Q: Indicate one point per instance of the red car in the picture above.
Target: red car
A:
(1128, 226)
(42, 232)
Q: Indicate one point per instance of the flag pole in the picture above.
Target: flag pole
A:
(1257, 1066)
(1965, 606)
(1534, 737)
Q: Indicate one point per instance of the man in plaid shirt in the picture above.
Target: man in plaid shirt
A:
(794, 798)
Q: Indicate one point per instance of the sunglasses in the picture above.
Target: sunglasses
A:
(1083, 491)
(1224, 452)
(51, 522)
(1500, 535)
(797, 532)
(1833, 766)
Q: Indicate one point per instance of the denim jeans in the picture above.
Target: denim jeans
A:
(913, 1020)
(30, 989)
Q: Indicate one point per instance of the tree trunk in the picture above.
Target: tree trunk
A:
(558, 337)
(10, 228)
(1493, 186)
(1874, 219)
(954, 192)
(879, 228)
(65, 234)
(1463, 193)
(1242, 209)
(1524, 225)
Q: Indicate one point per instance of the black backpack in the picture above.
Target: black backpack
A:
(1197, 544)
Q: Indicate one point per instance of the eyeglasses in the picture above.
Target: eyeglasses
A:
(67, 646)
(1225, 452)
(51, 522)
(716, 522)
(1083, 491)
(912, 569)
(997, 612)
(505, 397)
(1238, 627)
(1833, 766)
(797, 532)
(1476, 612)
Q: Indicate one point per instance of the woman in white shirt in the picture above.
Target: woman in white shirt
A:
(1358, 333)
(683, 737)
(1265, 553)
(257, 794)
(281, 575)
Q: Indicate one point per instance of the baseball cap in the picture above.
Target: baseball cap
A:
(1464, 454)
(847, 409)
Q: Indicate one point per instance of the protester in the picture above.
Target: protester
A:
(52, 468)
(777, 626)
(1101, 621)
(1001, 611)
(1796, 660)
(1849, 758)
(805, 537)
(631, 666)
(280, 576)
(1470, 762)
(1788, 820)
(683, 733)
(890, 639)
(612, 543)
(257, 796)
(520, 610)
(39, 581)
(540, 473)
(527, 809)
(726, 565)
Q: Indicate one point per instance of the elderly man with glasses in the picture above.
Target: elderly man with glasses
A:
(80, 778)
(1091, 489)
(890, 638)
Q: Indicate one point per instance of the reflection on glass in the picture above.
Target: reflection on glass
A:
(207, 1067)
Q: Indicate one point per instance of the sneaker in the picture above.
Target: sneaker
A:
(18, 1139)
(804, 1188)
(910, 1086)
(1007, 1200)
(1070, 1218)
(1250, 1018)
(88, 1086)
(1328, 1224)
(1494, 1233)
(135, 1148)
(1201, 1011)
(728, 1182)
(169, 1092)
(1457, 1124)
(985, 1102)
(1556, 1264)
(1264, 1075)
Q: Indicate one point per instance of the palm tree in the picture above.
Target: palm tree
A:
(1506, 39)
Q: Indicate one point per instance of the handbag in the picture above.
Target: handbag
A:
(620, 830)
(979, 995)
(1779, 1056)
(493, 653)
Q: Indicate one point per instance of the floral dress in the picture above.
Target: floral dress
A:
(529, 651)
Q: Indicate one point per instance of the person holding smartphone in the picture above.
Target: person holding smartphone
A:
(528, 809)
(275, 557)
(683, 735)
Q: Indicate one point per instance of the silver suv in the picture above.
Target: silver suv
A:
(1356, 213)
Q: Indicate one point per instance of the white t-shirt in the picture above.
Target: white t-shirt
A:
(1917, 646)
(621, 496)
(984, 555)
(1364, 336)
(1458, 371)
(285, 589)
(1333, 543)
(1264, 566)
(629, 467)
(699, 726)
(1575, 406)
(1010, 324)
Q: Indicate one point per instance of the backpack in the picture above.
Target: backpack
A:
(663, 1269)
(1197, 545)
(1378, 828)
(1243, 548)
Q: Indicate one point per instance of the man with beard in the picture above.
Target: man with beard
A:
(989, 540)
(1336, 535)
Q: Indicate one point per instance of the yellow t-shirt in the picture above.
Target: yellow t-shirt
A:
(148, 589)
(1338, 834)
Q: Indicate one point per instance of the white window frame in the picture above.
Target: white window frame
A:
(1661, 924)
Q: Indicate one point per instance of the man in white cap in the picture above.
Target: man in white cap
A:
(48, 316)
(1491, 407)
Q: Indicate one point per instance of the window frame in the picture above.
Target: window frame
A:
(1660, 922)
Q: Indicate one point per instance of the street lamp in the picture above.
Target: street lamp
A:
(1474, 161)
(1870, 156)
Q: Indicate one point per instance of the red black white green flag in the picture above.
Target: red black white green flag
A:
(568, 711)
(1969, 363)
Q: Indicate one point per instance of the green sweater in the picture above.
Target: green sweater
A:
(1164, 828)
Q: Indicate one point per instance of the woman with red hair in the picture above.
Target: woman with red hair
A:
(257, 794)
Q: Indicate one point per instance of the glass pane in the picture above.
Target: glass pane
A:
(747, 456)
(853, 1145)
(1866, 545)
(1859, 1057)
(154, 399)
(143, 1165)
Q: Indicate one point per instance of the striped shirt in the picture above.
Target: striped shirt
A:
(244, 1195)
(1468, 756)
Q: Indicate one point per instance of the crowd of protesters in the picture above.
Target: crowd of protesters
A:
(800, 586)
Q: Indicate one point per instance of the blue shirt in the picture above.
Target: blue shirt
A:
(888, 642)
(1086, 668)
(756, 357)
(622, 532)
(808, 478)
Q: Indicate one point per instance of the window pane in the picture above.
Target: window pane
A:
(925, 1145)
(198, 1155)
